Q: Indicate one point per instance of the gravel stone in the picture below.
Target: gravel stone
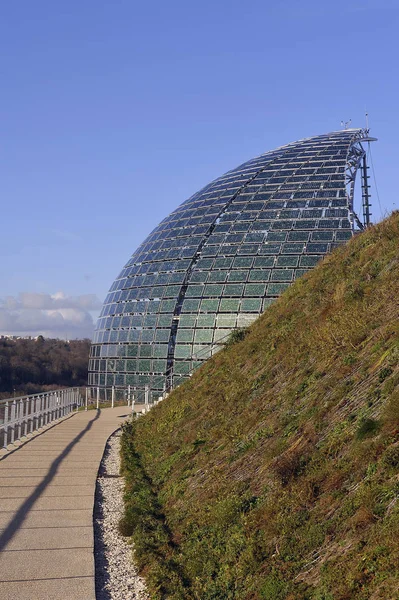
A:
(116, 575)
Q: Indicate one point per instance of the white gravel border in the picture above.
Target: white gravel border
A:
(116, 574)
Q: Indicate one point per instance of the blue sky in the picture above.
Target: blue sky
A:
(113, 113)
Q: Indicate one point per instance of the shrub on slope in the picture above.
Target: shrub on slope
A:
(273, 472)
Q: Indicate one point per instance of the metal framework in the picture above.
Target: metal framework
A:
(357, 158)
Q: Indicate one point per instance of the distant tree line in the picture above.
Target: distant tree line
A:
(31, 366)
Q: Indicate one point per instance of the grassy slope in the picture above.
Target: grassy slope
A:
(273, 473)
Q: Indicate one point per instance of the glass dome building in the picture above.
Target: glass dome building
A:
(221, 258)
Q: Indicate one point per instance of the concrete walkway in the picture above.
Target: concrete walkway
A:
(46, 509)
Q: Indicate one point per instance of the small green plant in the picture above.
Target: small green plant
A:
(367, 428)
(125, 527)
(237, 336)
(390, 458)
(384, 373)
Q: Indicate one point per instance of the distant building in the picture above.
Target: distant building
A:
(222, 257)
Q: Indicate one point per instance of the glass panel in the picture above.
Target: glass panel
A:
(319, 248)
(160, 351)
(229, 305)
(238, 276)
(198, 277)
(255, 289)
(187, 321)
(243, 262)
(215, 276)
(201, 352)
(162, 335)
(293, 248)
(145, 350)
(276, 236)
(185, 335)
(210, 305)
(150, 320)
(282, 274)
(322, 235)
(190, 305)
(264, 261)
(194, 291)
(260, 275)
(221, 335)
(206, 320)
(251, 304)
(147, 335)
(287, 261)
(245, 320)
(309, 261)
(144, 365)
(182, 351)
(132, 350)
(164, 320)
(223, 263)
(168, 306)
(172, 291)
(203, 335)
(234, 289)
(214, 289)
(182, 368)
(270, 248)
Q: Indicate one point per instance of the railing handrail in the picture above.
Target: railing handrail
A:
(26, 414)
(38, 394)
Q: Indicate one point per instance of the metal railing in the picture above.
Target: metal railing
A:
(142, 396)
(26, 414)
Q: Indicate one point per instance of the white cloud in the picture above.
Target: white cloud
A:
(51, 315)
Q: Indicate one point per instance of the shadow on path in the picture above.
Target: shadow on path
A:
(23, 511)
(100, 555)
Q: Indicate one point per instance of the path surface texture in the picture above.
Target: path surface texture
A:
(47, 491)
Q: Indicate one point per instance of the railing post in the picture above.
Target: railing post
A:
(13, 417)
(31, 412)
(98, 397)
(46, 409)
(20, 412)
(86, 398)
(146, 397)
(41, 410)
(6, 419)
(25, 407)
(113, 396)
(128, 395)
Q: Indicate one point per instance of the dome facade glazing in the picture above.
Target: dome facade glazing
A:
(220, 259)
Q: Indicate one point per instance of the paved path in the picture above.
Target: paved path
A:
(46, 509)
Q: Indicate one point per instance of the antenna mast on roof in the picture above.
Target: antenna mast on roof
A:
(365, 177)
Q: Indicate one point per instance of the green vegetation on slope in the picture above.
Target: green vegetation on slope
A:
(31, 366)
(273, 473)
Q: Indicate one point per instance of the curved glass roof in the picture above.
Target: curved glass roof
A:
(220, 259)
